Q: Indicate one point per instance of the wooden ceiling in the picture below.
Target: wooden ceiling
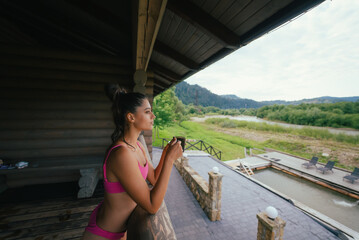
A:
(192, 34)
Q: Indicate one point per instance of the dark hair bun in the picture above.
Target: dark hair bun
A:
(114, 91)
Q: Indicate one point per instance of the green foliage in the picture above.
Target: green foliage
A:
(163, 109)
(275, 128)
(340, 114)
(168, 109)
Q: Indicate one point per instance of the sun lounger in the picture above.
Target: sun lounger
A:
(312, 162)
(353, 176)
(327, 167)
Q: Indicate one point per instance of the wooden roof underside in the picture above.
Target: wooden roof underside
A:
(192, 34)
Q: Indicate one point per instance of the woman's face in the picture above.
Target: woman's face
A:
(144, 117)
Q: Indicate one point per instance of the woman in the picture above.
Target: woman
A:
(126, 167)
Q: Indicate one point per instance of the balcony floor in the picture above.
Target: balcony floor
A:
(26, 213)
(242, 199)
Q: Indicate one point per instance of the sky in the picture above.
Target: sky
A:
(314, 55)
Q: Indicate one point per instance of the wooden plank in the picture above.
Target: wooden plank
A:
(213, 50)
(55, 231)
(39, 134)
(189, 31)
(50, 53)
(47, 84)
(50, 95)
(262, 14)
(50, 115)
(15, 104)
(19, 181)
(56, 124)
(221, 7)
(42, 222)
(236, 8)
(205, 22)
(204, 50)
(246, 13)
(122, 79)
(14, 209)
(50, 213)
(171, 53)
(191, 52)
(18, 144)
(209, 5)
(165, 71)
(172, 28)
(52, 152)
(166, 21)
(191, 41)
(65, 65)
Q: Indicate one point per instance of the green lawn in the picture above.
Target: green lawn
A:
(232, 147)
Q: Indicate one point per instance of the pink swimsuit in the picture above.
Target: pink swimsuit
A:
(111, 187)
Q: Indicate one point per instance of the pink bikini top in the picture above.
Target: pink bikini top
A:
(116, 187)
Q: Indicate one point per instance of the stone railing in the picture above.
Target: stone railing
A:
(145, 226)
(207, 194)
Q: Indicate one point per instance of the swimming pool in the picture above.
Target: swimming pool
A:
(335, 205)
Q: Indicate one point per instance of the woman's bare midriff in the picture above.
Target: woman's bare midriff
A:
(115, 211)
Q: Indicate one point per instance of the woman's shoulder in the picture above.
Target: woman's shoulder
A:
(118, 149)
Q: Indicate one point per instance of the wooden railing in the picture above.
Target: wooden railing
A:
(203, 146)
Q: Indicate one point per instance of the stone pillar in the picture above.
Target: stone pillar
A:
(270, 229)
(215, 195)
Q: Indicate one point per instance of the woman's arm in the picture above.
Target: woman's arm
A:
(125, 167)
(153, 174)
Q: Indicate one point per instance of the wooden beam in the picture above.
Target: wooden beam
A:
(164, 80)
(163, 49)
(149, 16)
(164, 71)
(204, 21)
(162, 85)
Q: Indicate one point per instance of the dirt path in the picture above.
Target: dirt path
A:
(347, 154)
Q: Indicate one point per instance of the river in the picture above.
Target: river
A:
(351, 132)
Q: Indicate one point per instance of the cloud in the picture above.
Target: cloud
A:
(314, 55)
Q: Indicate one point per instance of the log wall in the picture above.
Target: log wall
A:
(54, 110)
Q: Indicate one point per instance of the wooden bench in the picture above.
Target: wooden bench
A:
(90, 173)
(90, 170)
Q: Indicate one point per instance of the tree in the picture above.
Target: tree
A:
(167, 109)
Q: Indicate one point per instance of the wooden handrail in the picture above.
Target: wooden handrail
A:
(216, 153)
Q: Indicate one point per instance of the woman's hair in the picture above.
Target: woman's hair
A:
(123, 103)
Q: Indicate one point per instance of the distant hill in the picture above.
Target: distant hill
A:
(324, 99)
(196, 94)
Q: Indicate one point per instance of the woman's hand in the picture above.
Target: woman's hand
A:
(174, 150)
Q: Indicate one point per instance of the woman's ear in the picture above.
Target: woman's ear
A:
(130, 117)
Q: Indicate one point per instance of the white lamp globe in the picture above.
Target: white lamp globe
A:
(215, 170)
(271, 212)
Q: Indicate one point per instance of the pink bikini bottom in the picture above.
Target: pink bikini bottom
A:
(93, 228)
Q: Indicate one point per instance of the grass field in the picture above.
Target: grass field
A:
(232, 146)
